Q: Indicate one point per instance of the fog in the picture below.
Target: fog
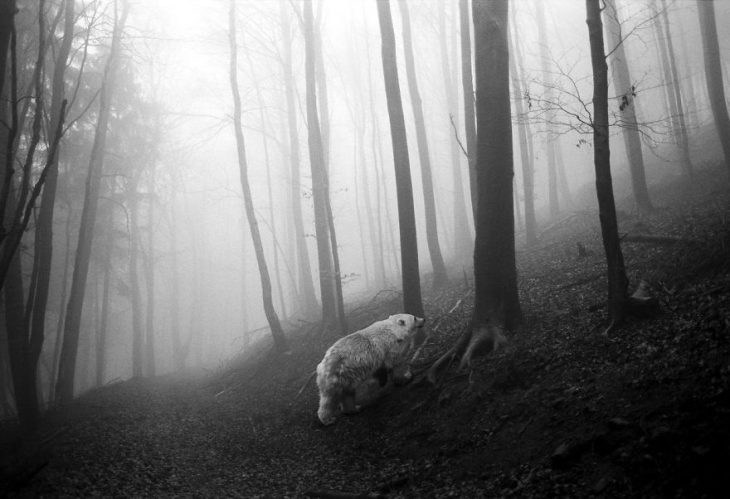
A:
(172, 146)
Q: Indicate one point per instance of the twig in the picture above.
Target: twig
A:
(456, 135)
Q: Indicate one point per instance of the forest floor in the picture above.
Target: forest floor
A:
(563, 411)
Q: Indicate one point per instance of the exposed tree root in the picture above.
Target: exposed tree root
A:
(472, 342)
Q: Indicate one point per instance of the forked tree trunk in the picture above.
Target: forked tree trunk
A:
(440, 277)
(617, 280)
(713, 74)
(412, 303)
(623, 88)
(280, 341)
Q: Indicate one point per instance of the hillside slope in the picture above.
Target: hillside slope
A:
(563, 410)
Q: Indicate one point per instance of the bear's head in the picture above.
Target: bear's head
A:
(406, 326)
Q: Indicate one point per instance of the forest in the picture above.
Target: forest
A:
(198, 199)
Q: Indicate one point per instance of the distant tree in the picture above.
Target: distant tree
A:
(463, 242)
(72, 326)
(496, 302)
(713, 74)
(623, 87)
(617, 280)
(320, 188)
(412, 303)
(467, 85)
(304, 272)
(440, 276)
(681, 128)
(526, 154)
(280, 341)
(552, 169)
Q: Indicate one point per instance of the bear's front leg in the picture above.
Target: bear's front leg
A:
(348, 403)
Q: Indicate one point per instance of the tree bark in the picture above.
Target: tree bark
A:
(412, 303)
(280, 341)
(713, 74)
(623, 88)
(440, 277)
(496, 300)
(617, 280)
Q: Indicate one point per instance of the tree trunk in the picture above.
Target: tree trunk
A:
(463, 242)
(44, 227)
(305, 283)
(713, 74)
(134, 287)
(495, 276)
(623, 88)
(617, 280)
(525, 136)
(101, 335)
(148, 261)
(553, 199)
(319, 178)
(440, 277)
(7, 21)
(683, 139)
(280, 341)
(67, 362)
(412, 303)
(467, 86)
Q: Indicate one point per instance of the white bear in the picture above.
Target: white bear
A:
(365, 356)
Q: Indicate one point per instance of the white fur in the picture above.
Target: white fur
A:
(354, 359)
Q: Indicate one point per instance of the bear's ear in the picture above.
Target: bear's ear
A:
(401, 322)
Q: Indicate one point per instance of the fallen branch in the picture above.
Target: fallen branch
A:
(557, 224)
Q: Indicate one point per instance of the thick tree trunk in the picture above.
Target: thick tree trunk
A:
(304, 271)
(101, 334)
(496, 302)
(713, 74)
(467, 86)
(280, 341)
(440, 277)
(7, 20)
(623, 89)
(617, 280)
(319, 178)
(412, 303)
